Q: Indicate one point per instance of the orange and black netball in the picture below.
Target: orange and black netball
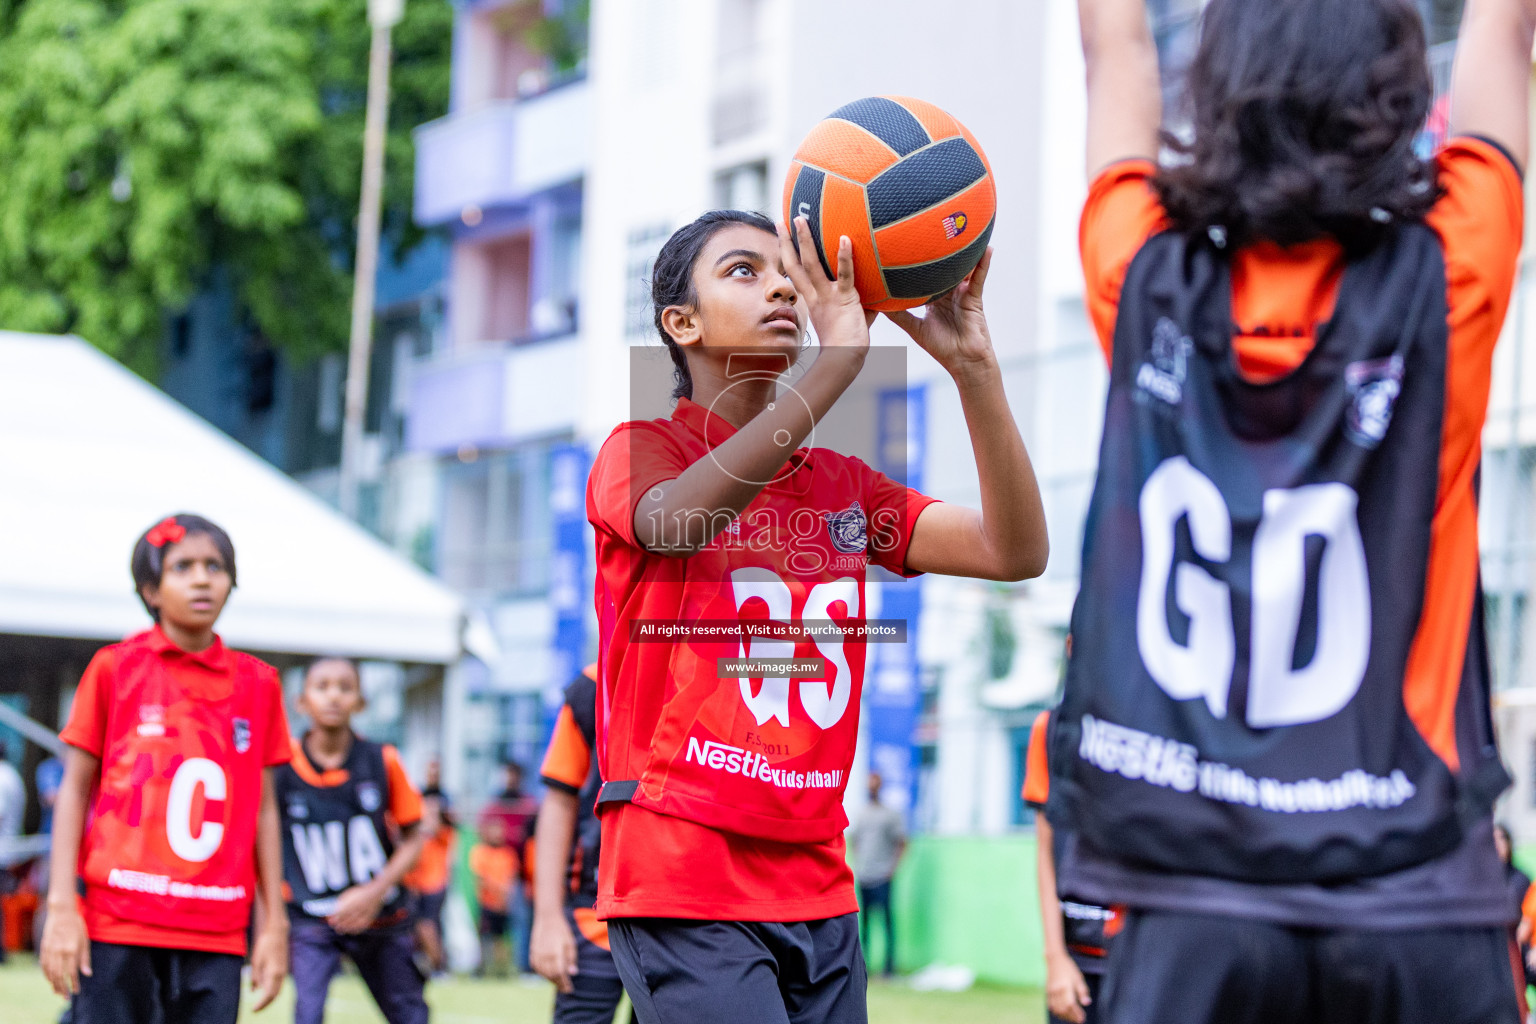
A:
(908, 184)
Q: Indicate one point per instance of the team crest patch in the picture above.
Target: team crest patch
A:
(1373, 385)
(298, 809)
(848, 529)
(242, 735)
(369, 796)
(1163, 378)
(954, 224)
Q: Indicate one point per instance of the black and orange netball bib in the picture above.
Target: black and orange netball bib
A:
(1253, 576)
(335, 831)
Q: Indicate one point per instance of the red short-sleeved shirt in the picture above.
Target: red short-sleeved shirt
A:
(658, 865)
(147, 709)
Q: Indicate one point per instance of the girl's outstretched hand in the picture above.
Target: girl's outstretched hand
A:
(954, 328)
(833, 306)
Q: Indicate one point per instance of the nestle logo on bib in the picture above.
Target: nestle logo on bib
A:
(735, 761)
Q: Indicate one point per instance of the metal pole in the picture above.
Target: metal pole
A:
(383, 15)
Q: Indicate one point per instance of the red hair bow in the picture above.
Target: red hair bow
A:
(167, 531)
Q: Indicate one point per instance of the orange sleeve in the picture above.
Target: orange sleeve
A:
(1528, 907)
(568, 758)
(636, 457)
(404, 801)
(1120, 214)
(1479, 219)
(1037, 778)
(87, 726)
(279, 742)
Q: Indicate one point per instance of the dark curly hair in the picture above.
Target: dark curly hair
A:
(672, 278)
(1304, 117)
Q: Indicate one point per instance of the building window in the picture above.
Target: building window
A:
(741, 90)
(639, 262)
(554, 313)
(261, 377)
(743, 188)
(495, 523)
(740, 28)
(328, 406)
(507, 266)
(181, 336)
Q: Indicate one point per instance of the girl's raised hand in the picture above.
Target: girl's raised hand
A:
(834, 307)
(954, 328)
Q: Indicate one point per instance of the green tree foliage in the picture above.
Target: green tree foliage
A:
(146, 142)
(562, 36)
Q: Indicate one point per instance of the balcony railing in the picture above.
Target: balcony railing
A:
(494, 395)
(501, 153)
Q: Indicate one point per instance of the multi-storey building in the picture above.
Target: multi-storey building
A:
(492, 407)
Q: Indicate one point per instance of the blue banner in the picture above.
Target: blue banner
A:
(570, 591)
(892, 685)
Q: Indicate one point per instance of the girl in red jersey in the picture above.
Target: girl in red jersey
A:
(723, 873)
(174, 738)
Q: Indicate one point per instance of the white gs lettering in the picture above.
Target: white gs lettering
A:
(825, 704)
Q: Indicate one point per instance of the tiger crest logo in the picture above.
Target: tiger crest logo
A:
(848, 529)
(1373, 386)
(954, 224)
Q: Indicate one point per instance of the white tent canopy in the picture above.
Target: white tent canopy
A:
(91, 456)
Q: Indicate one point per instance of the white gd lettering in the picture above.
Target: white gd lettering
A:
(194, 771)
(1202, 668)
(825, 705)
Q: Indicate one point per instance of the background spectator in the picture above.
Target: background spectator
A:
(878, 837)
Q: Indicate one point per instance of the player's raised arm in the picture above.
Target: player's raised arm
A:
(1491, 80)
(1006, 538)
(1125, 103)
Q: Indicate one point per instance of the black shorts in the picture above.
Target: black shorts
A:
(1209, 969)
(734, 972)
(144, 985)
